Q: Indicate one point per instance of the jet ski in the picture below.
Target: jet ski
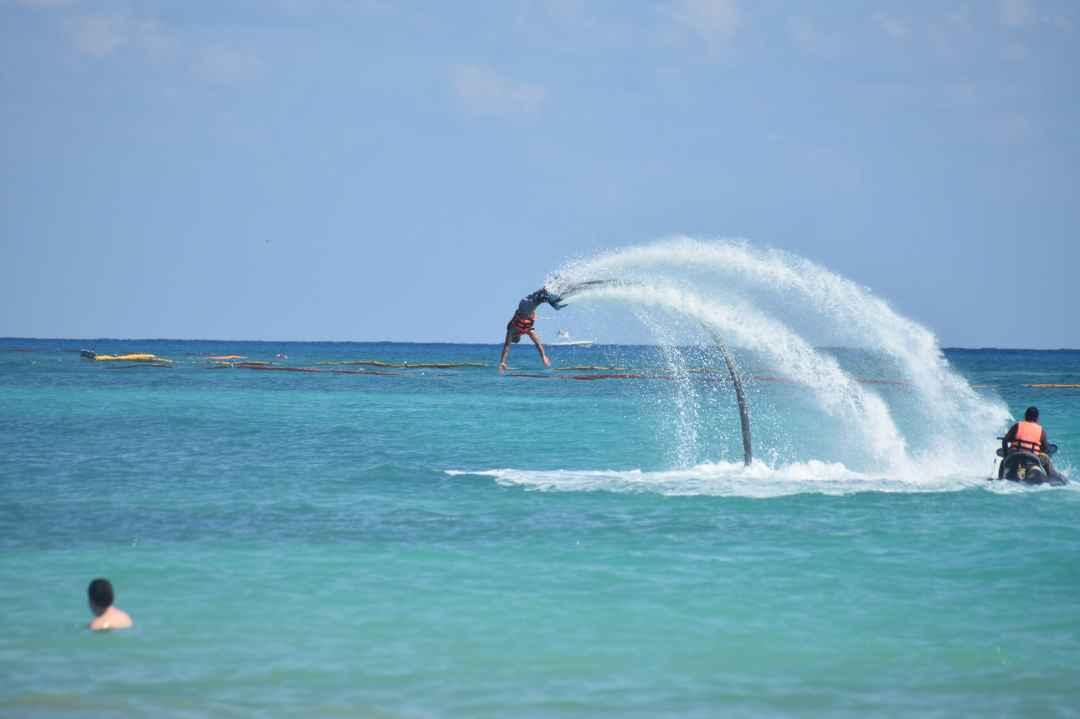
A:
(1021, 465)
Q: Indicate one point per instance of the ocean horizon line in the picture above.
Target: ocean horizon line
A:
(986, 348)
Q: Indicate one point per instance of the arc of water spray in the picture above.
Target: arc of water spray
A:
(950, 405)
(838, 393)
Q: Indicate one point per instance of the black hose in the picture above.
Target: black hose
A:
(744, 413)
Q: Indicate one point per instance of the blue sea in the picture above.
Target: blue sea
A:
(394, 540)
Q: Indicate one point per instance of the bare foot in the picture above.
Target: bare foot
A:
(547, 362)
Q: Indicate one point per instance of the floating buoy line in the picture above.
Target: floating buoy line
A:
(378, 367)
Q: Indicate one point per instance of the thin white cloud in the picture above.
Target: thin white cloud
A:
(1063, 23)
(484, 91)
(325, 8)
(806, 36)
(1014, 13)
(152, 38)
(145, 38)
(894, 27)
(228, 65)
(714, 21)
(566, 11)
(45, 3)
(1011, 128)
(1016, 52)
(812, 39)
(961, 94)
(102, 35)
(98, 36)
(950, 33)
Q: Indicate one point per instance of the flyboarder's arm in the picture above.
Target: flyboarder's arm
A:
(505, 351)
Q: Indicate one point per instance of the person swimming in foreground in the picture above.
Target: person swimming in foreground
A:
(523, 321)
(106, 616)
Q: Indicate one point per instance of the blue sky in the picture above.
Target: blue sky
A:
(406, 171)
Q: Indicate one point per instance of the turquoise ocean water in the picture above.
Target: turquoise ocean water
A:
(452, 542)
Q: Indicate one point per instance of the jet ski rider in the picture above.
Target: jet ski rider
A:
(1028, 436)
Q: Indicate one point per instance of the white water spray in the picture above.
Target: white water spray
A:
(838, 394)
(708, 280)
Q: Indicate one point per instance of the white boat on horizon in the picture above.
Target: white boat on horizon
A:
(565, 341)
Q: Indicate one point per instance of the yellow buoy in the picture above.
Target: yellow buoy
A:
(132, 357)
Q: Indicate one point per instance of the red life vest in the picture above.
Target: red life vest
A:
(522, 325)
(1028, 437)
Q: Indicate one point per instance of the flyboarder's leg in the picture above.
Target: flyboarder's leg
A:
(539, 347)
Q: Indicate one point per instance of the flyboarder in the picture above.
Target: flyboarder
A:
(522, 323)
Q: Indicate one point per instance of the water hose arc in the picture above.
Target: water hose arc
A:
(744, 413)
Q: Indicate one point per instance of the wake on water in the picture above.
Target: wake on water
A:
(782, 308)
(722, 479)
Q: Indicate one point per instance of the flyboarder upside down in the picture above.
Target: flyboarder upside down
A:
(523, 320)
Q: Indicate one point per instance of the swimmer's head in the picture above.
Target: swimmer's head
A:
(100, 594)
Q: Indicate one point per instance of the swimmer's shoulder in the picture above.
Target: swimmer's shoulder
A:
(114, 619)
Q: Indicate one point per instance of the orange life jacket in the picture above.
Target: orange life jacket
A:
(1028, 436)
(522, 325)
